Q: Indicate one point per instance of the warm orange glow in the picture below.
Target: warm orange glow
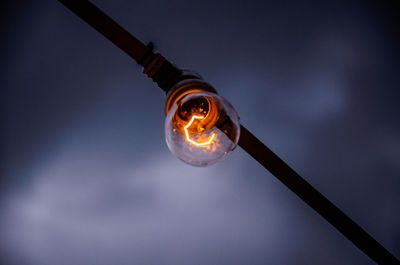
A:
(194, 142)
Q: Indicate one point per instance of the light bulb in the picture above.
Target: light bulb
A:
(201, 127)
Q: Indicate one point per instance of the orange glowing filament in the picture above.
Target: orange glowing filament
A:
(194, 142)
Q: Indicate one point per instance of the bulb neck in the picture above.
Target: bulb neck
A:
(185, 87)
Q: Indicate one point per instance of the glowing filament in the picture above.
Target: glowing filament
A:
(194, 142)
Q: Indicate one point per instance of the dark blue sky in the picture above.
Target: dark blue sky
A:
(87, 177)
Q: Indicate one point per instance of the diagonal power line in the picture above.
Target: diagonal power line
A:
(165, 75)
(314, 198)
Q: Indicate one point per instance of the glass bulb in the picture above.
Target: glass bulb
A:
(201, 128)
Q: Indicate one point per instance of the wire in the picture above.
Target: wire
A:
(107, 27)
(155, 66)
(270, 161)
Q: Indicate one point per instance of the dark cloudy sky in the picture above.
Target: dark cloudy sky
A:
(86, 175)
